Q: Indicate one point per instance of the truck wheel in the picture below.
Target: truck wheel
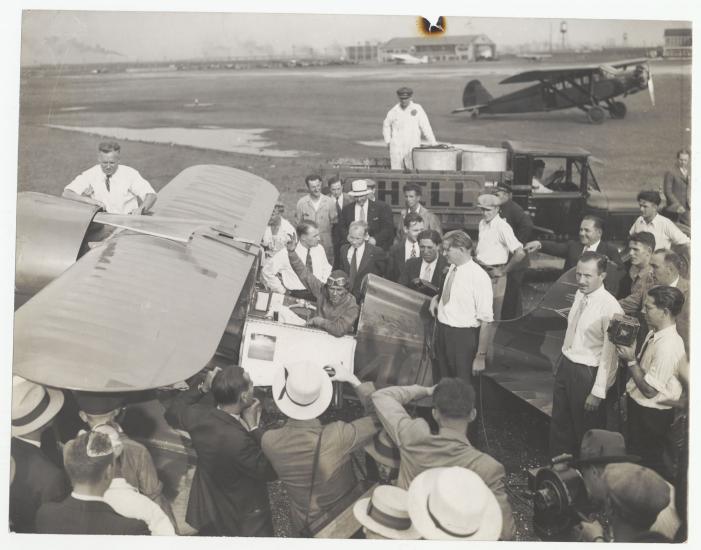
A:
(618, 109)
(596, 115)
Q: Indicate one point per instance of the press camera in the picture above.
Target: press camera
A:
(623, 329)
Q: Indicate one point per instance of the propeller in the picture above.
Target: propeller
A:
(650, 86)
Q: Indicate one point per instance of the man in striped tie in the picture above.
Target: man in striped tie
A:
(461, 308)
(588, 364)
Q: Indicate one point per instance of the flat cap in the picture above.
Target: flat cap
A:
(404, 92)
(488, 201)
(502, 186)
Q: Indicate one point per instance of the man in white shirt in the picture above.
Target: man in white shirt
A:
(402, 129)
(536, 181)
(653, 377)
(115, 188)
(665, 231)
(498, 249)
(321, 210)
(463, 306)
(278, 274)
(588, 364)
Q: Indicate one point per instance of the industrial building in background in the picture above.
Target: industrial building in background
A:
(471, 47)
(677, 42)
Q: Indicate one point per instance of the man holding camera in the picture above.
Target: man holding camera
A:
(653, 377)
(588, 363)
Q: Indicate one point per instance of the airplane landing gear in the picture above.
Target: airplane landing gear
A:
(475, 113)
(596, 114)
(618, 109)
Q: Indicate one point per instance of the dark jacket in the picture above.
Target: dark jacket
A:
(37, 481)
(85, 517)
(374, 261)
(230, 480)
(676, 191)
(396, 260)
(412, 271)
(571, 251)
(380, 225)
(520, 222)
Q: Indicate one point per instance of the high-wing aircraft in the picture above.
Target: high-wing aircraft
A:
(149, 305)
(591, 88)
(534, 56)
(406, 59)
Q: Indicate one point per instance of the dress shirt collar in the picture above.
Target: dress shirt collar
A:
(37, 444)
(659, 334)
(87, 498)
(361, 250)
(593, 295)
(424, 263)
(675, 283)
(121, 483)
(593, 247)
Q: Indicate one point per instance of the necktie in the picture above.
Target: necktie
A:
(338, 210)
(310, 267)
(448, 284)
(107, 183)
(413, 250)
(426, 276)
(353, 266)
(572, 326)
(648, 339)
(362, 213)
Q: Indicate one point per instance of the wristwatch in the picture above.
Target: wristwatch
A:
(632, 362)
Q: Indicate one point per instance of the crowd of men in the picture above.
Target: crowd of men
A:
(430, 480)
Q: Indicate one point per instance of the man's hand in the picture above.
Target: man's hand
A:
(478, 365)
(340, 374)
(533, 246)
(591, 531)
(252, 413)
(292, 243)
(372, 241)
(627, 353)
(680, 209)
(206, 384)
(315, 322)
(137, 211)
(592, 403)
(433, 306)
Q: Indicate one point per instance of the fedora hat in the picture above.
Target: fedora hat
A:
(33, 405)
(385, 513)
(302, 390)
(383, 450)
(488, 201)
(453, 504)
(637, 494)
(359, 188)
(603, 447)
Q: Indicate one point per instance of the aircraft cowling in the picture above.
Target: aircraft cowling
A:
(50, 233)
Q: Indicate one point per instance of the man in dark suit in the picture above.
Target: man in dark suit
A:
(407, 248)
(89, 461)
(341, 200)
(426, 273)
(667, 268)
(377, 215)
(360, 257)
(37, 479)
(676, 190)
(591, 230)
(229, 496)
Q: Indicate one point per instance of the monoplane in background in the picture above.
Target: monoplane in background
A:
(407, 59)
(534, 56)
(590, 88)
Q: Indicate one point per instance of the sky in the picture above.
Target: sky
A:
(53, 36)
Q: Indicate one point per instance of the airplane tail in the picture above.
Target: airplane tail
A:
(475, 94)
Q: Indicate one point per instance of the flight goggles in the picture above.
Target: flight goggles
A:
(337, 282)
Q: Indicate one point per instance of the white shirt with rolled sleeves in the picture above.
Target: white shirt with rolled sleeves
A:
(126, 184)
(279, 265)
(470, 301)
(496, 241)
(128, 502)
(662, 357)
(590, 344)
(665, 231)
(402, 129)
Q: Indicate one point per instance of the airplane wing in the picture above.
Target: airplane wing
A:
(568, 71)
(140, 311)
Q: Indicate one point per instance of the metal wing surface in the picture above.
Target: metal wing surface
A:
(139, 311)
(567, 71)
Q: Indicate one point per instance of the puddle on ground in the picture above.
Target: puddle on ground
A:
(249, 141)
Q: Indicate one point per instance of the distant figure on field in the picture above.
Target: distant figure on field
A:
(402, 129)
(114, 188)
(676, 190)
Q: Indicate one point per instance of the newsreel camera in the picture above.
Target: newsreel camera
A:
(559, 496)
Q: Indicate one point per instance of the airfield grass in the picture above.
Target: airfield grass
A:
(327, 111)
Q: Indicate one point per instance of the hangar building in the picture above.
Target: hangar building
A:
(471, 47)
(677, 42)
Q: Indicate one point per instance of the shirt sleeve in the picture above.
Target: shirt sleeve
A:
(608, 362)
(389, 407)
(508, 237)
(484, 298)
(387, 127)
(80, 184)
(139, 186)
(269, 273)
(675, 234)
(315, 286)
(425, 126)
(664, 367)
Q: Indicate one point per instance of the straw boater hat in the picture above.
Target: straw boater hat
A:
(33, 405)
(302, 390)
(603, 447)
(359, 188)
(383, 450)
(385, 513)
(453, 504)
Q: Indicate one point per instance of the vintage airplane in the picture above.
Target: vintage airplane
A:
(534, 56)
(407, 59)
(591, 88)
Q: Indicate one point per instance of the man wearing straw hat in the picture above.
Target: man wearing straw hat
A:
(402, 129)
(37, 480)
(453, 504)
(384, 514)
(312, 460)
(376, 214)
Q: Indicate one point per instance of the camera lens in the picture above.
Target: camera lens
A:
(546, 498)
